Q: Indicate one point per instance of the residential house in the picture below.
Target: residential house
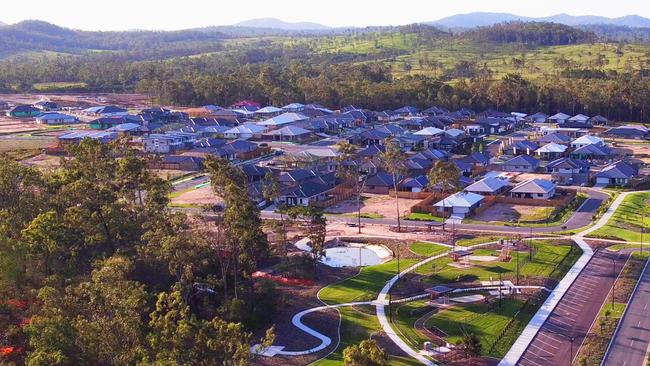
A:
(459, 205)
(76, 136)
(45, 105)
(429, 132)
(379, 183)
(598, 120)
(555, 137)
(538, 117)
(520, 147)
(127, 129)
(294, 107)
(244, 150)
(587, 140)
(577, 121)
(56, 119)
(305, 194)
(551, 151)
(268, 112)
(534, 188)
(245, 131)
(489, 186)
(283, 119)
(289, 133)
(371, 151)
(463, 167)
(521, 163)
(23, 111)
(180, 162)
(168, 142)
(568, 171)
(254, 173)
(414, 184)
(477, 159)
(559, 118)
(634, 132)
(615, 174)
(592, 153)
(104, 123)
(407, 111)
(105, 111)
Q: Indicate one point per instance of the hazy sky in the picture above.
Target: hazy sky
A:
(179, 14)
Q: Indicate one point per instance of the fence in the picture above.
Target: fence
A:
(338, 194)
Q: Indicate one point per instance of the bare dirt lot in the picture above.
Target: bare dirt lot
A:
(196, 197)
(520, 177)
(510, 212)
(377, 205)
(82, 100)
(637, 149)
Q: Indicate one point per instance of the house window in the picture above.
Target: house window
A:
(540, 195)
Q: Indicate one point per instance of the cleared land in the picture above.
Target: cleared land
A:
(374, 206)
(513, 213)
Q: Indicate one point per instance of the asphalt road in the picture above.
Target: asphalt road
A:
(630, 344)
(558, 340)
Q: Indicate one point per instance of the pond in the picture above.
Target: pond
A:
(351, 255)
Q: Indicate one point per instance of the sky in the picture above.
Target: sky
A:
(183, 14)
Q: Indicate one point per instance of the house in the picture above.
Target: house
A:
(283, 119)
(371, 151)
(559, 118)
(406, 111)
(254, 173)
(587, 140)
(294, 107)
(127, 129)
(45, 106)
(551, 151)
(519, 147)
(577, 121)
(305, 194)
(568, 171)
(489, 186)
(555, 137)
(591, 153)
(168, 142)
(369, 137)
(246, 104)
(76, 136)
(477, 159)
(289, 133)
(538, 117)
(105, 111)
(434, 111)
(379, 183)
(541, 189)
(56, 119)
(598, 120)
(180, 162)
(23, 111)
(634, 132)
(459, 205)
(268, 112)
(243, 149)
(463, 167)
(615, 174)
(414, 184)
(245, 131)
(521, 163)
(429, 132)
(104, 123)
(410, 142)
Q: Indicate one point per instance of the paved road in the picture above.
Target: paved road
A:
(575, 313)
(632, 338)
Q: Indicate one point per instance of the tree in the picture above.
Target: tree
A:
(317, 233)
(178, 337)
(394, 161)
(471, 346)
(366, 353)
(348, 171)
(445, 177)
(271, 190)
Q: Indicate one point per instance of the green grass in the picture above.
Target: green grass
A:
(366, 215)
(549, 261)
(364, 286)
(616, 312)
(359, 325)
(486, 321)
(627, 221)
(416, 216)
(11, 145)
(404, 321)
(478, 240)
(59, 86)
(427, 249)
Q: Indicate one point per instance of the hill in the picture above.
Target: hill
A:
(38, 36)
(481, 19)
(273, 23)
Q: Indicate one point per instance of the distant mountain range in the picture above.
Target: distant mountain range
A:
(479, 19)
(273, 23)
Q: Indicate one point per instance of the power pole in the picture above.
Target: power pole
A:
(613, 279)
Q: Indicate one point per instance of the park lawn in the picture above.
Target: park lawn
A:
(416, 216)
(427, 249)
(621, 246)
(477, 240)
(404, 323)
(551, 261)
(628, 220)
(364, 286)
(486, 321)
(364, 215)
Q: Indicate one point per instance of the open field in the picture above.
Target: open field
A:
(374, 206)
(628, 220)
(427, 249)
(513, 213)
(195, 197)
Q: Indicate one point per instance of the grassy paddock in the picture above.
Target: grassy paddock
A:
(628, 220)
(427, 249)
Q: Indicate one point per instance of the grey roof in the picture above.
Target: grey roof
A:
(522, 160)
(290, 131)
(534, 186)
(460, 199)
(618, 169)
(551, 148)
(555, 137)
(488, 185)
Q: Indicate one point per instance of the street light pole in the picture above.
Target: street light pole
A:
(613, 279)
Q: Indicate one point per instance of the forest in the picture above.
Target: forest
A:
(527, 67)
